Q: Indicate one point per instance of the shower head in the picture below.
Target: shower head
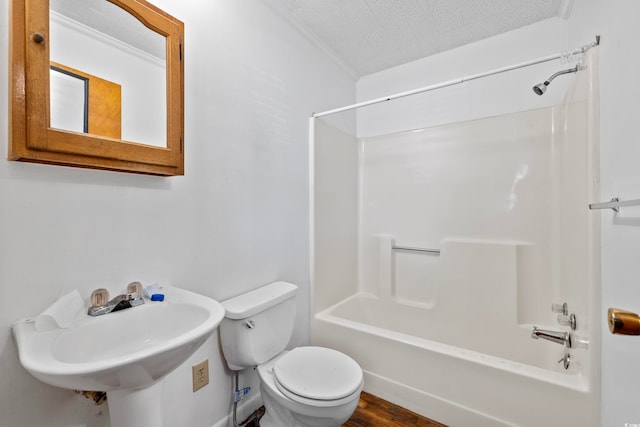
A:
(541, 88)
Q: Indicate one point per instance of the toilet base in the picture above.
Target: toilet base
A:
(277, 415)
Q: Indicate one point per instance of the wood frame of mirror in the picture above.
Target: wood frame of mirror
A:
(32, 138)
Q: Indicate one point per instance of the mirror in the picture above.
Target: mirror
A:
(97, 83)
(100, 38)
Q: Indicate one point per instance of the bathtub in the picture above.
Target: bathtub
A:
(447, 333)
(452, 384)
(498, 210)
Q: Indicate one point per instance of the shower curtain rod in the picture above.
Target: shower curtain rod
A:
(579, 50)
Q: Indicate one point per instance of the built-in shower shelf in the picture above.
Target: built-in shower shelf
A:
(615, 204)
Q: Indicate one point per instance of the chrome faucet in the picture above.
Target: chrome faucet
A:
(563, 338)
(100, 303)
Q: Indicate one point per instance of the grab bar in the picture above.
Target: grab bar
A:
(414, 249)
(615, 204)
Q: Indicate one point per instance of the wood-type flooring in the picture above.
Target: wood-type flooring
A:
(375, 412)
(371, 412)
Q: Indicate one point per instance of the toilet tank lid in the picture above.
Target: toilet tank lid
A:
(258, 300)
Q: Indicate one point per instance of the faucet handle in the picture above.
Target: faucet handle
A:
(99, 297)
(567, 320)
(135, 288)
(560, 308)
(566, 360)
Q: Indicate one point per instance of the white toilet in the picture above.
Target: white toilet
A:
(304, 387)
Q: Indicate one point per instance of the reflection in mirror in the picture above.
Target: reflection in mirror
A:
(69, 100)
(101, 103)
(101, 39)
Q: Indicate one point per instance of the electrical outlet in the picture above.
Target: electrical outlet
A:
(200, 375)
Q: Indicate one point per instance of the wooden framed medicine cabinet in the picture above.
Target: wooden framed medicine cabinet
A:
(141, 49)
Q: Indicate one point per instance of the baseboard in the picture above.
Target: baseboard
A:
(428, 405)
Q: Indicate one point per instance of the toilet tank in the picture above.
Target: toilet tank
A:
(258, 325)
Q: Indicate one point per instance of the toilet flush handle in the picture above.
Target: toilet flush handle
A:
(250, 324)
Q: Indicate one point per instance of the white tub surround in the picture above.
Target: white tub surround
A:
(465, 236)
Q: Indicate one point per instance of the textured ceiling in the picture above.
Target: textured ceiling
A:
(373, 35)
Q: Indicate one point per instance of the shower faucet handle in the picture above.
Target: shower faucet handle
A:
(567, 320)
(566, 360)
(560, 308)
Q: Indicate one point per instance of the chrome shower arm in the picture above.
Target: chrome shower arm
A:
(559, 73)
(541, 88)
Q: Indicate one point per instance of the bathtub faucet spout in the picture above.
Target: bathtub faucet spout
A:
(563, 338)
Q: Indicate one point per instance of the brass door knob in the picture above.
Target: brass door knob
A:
(623, 322)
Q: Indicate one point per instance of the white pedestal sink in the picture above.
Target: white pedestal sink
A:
(126, 353)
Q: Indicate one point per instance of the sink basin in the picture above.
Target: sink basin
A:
(128, 350)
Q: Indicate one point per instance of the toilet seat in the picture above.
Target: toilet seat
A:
(317, 376)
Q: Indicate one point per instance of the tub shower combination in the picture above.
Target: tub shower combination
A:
(439, 253)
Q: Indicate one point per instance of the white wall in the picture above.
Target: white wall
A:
(236, 220)
(620, 177)
(620, 151)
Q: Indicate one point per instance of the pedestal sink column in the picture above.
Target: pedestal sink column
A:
(136, 408)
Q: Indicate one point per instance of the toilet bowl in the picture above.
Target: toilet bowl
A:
(309, 386)
(304, 387)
